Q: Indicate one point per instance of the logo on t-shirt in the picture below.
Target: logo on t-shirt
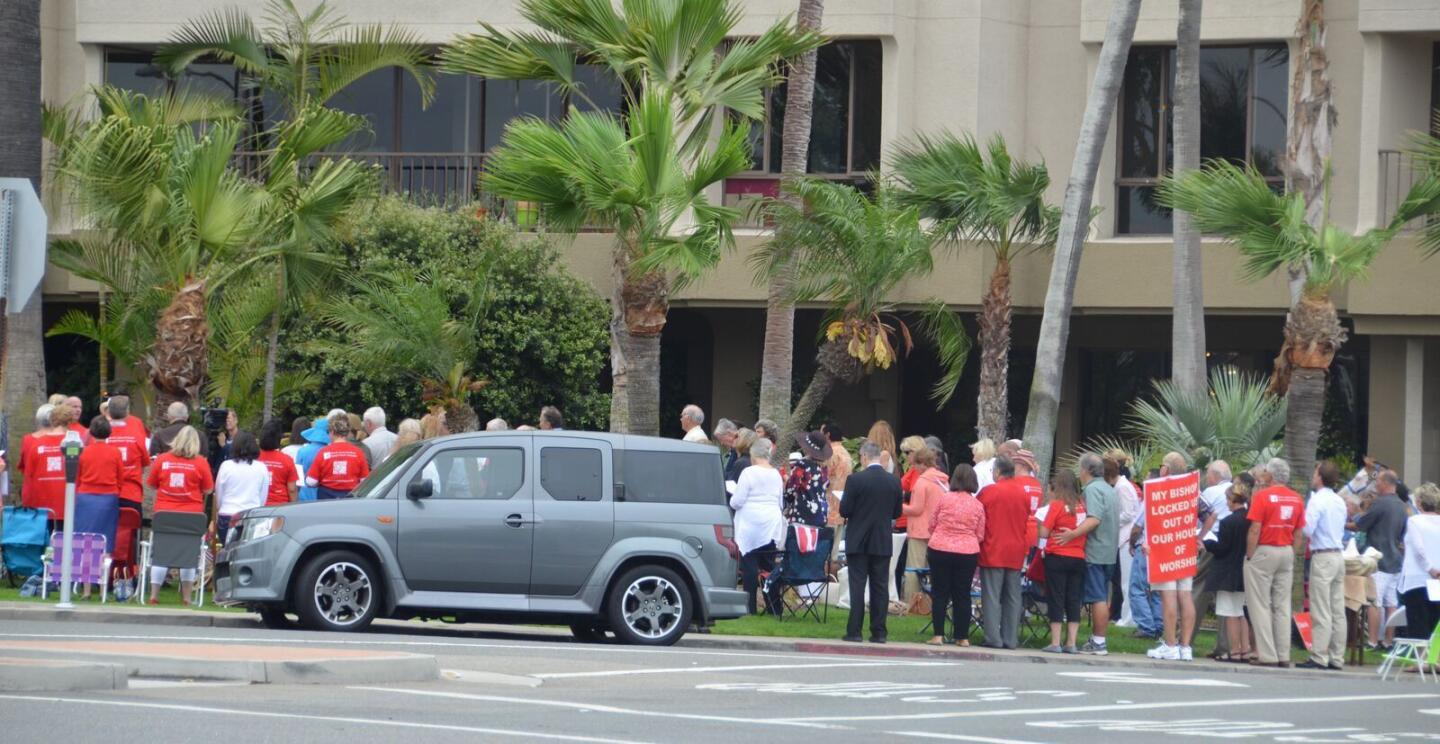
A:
(1286, 511)
(340, 467)
(54, 464)
(1274, 498)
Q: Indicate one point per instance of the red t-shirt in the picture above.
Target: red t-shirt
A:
(180, 484)
(282, 474)
(82, 430)
(1007, 509)
(1058, 519)
(339, 466)
(1280, 512)
(128, 437)
(101, 469)
(43, 465)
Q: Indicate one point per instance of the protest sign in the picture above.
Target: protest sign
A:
(1170, 525)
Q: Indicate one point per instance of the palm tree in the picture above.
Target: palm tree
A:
(22, 349)
(406, 325)
(851, 251)
(995, 200)
(166, 200)
(628, 176)
(777, 360)
(1044, 407)
(237, 357)
(306, 59)
(1187, 331)
(682, 55)
(1272, 232)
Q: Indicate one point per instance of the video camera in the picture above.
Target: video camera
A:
(214, 419)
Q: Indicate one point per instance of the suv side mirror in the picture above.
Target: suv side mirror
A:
(420, 489)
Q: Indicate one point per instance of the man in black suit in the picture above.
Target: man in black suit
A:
(870, 506)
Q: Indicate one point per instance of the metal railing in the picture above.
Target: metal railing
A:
(1398, 173)
(429, 178)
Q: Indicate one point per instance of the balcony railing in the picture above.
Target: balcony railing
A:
(1398, 173)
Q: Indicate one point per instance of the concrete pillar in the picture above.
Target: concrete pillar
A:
(1414, 410)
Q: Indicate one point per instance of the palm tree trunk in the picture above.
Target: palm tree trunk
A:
(994, 403)
(619, 348)
(22, 347)
(272, 350)
(460, 417)
(777, 361)
(1074, 225)
(1187, 331)
(644, 357)
(179, 359)
(1306, 406)
(644, 303)
(820, 386)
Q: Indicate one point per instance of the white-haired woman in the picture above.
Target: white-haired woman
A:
(759, 521)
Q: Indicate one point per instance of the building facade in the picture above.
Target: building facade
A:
(1018, 68)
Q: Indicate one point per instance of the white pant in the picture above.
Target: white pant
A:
(157, 574)
(1125, 560)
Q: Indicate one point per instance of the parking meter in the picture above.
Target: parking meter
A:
(70, 447)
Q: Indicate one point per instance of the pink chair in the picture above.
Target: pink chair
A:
(89, 564)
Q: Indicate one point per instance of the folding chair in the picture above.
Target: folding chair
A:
(89, 562)
(801, 569)
(177, 539)
(1417, 652)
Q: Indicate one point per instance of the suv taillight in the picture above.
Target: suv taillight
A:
(725, 535)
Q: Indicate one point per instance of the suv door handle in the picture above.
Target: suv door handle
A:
(516, 520)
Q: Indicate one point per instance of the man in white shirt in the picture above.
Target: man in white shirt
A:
(379, 440)
(690, 420)
(1325, 517)
(1214, 506)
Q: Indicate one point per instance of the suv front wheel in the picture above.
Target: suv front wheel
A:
(649, 606)
(338, 590)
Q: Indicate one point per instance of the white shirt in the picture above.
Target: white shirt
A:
(1219, 504)
(1325, 520)
(1129, 508)
(696, 434)
(381, 443)
(984, 473)
(290, 451)
(1422, 551)
(240, 486)
(758, 517)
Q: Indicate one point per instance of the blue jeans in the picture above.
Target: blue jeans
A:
(1144, 604)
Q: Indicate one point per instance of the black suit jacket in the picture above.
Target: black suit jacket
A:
(870, 505)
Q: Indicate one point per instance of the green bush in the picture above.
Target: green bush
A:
(544, 340)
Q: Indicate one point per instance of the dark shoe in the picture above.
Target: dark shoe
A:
(853, 638)
(877, 639)
(1335, 668)
(1309, 664)
(1283, 665)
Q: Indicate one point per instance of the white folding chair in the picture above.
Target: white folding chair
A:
(1406, 651)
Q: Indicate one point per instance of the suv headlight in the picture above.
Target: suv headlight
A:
(255, 529)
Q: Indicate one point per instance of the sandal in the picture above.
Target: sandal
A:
(936, 641)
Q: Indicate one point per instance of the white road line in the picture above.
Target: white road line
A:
(328, 719)
(958, 737)
(744, 668)
(595, 707)
(1128, 707)
(557, 646)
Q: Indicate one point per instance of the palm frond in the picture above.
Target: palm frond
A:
(943, 328)
(227, 34)
(361, 50)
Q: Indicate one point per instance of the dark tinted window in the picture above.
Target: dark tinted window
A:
(845, 126)
(373, 97)
(494, 474)
(444, 126)
(672, 478)
(571, 473)
(1140, 140)
(1224, 102)
(508, 99)
(1272, 96)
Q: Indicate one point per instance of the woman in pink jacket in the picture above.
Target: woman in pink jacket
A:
(929, 486)
(955, 531)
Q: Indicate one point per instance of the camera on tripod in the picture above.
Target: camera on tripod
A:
(214, 419)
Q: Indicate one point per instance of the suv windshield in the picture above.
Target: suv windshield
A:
(378, 484)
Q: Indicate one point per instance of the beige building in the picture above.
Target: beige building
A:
(1020, 68)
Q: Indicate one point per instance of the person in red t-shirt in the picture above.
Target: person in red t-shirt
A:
(128, 435)
(77, 409)
(42, 464)
(339, 466)
(1002, 554)
(1276, 515)
(1064, 564)
(181, 479)
(283, 477)
(97, 485)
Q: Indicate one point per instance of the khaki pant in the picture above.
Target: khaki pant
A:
(1327, 607)
(917, 555)
(1268, 578)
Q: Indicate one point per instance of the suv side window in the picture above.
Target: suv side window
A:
(672, 478)
(495, 473)
(571, 473)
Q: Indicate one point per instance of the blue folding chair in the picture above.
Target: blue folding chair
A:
(802, 572)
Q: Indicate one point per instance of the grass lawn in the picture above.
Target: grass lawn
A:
(169, 599)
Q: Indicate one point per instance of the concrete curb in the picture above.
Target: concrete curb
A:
(387, 669)
(134, 615)
(59, 675)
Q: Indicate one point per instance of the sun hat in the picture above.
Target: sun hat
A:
(815, 445)
(318, 433)
(1027, 458)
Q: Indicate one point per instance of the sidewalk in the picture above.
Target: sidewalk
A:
(201, 618)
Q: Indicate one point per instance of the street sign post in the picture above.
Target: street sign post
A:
(23, 227)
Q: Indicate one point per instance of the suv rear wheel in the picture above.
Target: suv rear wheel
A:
(649, 606)
(338, 590)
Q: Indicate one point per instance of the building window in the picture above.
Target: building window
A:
(132, 69)
(1243, 100)
(845, 130)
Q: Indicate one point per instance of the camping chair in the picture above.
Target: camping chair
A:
(89, 562)
(1418, 652)
(802, 569)
(23, 537)
(177, 539)
(1034, 604)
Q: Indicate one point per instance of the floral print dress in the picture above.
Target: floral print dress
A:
(805, 494)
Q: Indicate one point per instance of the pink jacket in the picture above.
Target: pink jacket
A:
(959, 524)
(929, 487)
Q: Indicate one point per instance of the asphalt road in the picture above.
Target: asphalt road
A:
(607, 693)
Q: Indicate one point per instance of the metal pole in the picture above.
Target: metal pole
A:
(71, 446)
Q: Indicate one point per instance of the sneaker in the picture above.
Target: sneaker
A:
(1094, 649)
(1165, 652)
(1053, 650)
(1187, 653)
